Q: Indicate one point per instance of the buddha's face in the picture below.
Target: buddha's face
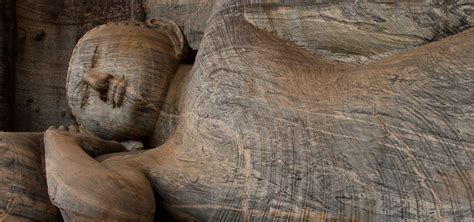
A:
(117, 80)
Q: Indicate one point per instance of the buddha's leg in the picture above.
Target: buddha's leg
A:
(84, 189)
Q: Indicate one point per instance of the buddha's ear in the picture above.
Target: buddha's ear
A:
(175, 33)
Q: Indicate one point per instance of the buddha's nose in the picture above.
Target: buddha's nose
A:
(99, 81)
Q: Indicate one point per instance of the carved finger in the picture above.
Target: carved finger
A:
(52, 128)
(81, 129)
(85, 132)
(61, 127)
(73, 128)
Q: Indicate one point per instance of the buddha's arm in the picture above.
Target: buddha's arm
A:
(92, 145)
(84, 189)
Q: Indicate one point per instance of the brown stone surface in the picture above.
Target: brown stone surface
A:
(361, 32)
(293, 111)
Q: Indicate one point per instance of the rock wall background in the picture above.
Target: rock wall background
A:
(6, 71)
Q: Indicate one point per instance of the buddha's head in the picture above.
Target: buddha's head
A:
(119, 74)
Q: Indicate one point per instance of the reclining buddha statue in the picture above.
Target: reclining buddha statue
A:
(288, 113)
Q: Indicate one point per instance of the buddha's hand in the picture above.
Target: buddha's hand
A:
(73, 135)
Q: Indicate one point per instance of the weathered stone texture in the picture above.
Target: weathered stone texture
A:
(361, 32)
